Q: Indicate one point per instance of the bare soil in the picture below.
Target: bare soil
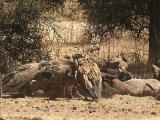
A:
(119, 107)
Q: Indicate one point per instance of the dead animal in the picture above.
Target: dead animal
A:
(135, 87)
(122, 76)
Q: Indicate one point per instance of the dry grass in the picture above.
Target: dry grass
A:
(135, 50)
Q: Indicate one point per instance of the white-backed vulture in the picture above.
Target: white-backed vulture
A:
(69, 75)
(89, 77)
(124, 75)
(63, 79)
(15, 82)
(93, 48)
(62, 83)
(117, 63)
(59, 85)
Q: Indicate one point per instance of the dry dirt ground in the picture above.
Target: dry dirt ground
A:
(116, 108)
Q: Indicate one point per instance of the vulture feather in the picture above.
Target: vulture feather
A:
(17, 80)
(89, 77)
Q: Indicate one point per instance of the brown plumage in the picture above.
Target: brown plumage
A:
(93, 48)
(61, 84)
(117, 63)
(36, 85)
(16, 81)
(89, 77)
(62, 80)
(69, 75)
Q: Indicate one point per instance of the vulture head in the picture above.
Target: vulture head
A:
(93, 48)
(45, 70)
(116, 63)
(77, 55)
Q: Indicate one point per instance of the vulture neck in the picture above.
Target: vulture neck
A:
(76, 64)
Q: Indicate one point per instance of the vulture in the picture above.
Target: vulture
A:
(89, 77)
(107, 78)
(15, 82)
(124, 75)
(71, 76)
(117, 63)
(93, 48)
(62, 82)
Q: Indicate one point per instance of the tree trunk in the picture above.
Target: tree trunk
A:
(154, 32)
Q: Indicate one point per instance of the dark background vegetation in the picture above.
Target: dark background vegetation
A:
(21, 43)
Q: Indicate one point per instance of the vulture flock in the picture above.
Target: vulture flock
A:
(79, 76)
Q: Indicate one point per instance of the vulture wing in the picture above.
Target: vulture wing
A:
(15, 80)
(89, 76)
(12, 73)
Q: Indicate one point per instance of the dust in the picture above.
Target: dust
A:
(117, 107)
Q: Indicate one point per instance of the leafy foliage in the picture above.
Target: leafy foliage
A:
(106, 15)
(19, 38)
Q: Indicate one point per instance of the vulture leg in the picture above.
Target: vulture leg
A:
(68, 90)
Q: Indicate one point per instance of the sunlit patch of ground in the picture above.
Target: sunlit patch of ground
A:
(116, 108)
